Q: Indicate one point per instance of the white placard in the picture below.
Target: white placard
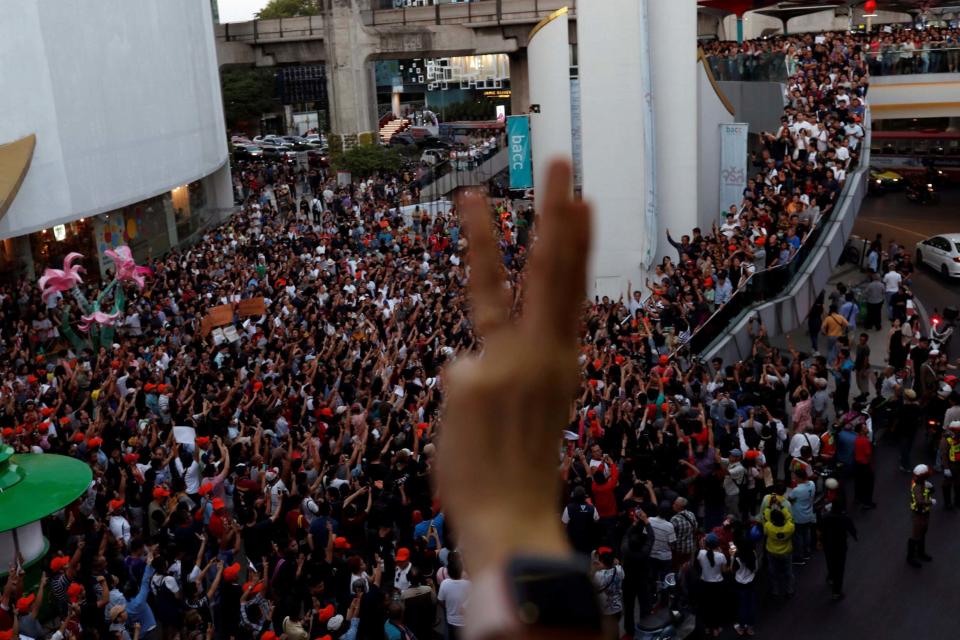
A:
(733, 164)
(184, 435)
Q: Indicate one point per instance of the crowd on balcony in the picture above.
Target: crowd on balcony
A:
(299, 504)
(892, 49)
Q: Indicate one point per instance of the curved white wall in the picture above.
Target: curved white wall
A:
(123, 96)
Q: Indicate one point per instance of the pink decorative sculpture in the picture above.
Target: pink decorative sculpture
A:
(61, 280)
(98, 317)
(127, 269)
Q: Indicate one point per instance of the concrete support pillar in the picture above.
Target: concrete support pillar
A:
(350, 74)
(170, 218)
(218, 187)
(395, 103)
(549, 72)
(23, 251)
(739, 28)
(519, 83)
(673, 61)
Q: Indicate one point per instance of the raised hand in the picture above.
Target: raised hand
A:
(506, 407)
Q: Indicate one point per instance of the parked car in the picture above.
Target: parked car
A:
(316, 141)
(433, 157)
(942, 252)
(298, 143)
(402, 139)
(247, 152)
(318, 157)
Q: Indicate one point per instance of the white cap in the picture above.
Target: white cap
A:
(921, 470)
(334, 623)
(831, 483)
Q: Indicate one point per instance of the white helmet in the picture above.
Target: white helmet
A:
(921, 470)
(832, 483)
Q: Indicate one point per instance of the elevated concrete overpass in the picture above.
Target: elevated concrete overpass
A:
(929, 95)
(349, 34)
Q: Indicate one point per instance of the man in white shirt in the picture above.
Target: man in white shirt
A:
(891, 284)
(664, 535)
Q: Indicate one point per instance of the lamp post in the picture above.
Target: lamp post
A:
(870, 12)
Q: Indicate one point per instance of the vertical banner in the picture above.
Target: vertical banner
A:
(733, 164)
(518, 141)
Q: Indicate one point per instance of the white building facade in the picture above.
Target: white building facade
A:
(123, 101)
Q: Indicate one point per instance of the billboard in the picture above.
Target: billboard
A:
(518, 141)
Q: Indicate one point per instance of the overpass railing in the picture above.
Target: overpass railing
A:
(476, 12)
(769, 67)
(300, 28)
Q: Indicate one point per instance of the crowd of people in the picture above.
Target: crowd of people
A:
(890, 50)
(302, 508)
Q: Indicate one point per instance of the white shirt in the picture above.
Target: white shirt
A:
(891, 281)
(663, 536)
(714, 572)
(191, 475)
(801, 440)
(453, 594)
(120, 528)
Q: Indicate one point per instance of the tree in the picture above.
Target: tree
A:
(366, 159)
(289, 9)
(248, 93)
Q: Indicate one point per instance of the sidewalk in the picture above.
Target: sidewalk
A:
(851, 275)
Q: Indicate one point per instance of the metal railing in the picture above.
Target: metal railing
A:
(770, 67)
(300, 28)
(933, 59)
(776, 66)
(476, 12)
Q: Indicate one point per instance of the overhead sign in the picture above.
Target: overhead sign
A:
(518, 143)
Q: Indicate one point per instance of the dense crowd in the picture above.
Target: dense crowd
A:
(301, 505)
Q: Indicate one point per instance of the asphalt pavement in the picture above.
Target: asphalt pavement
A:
(899, 219)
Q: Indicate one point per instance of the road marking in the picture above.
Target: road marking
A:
(893, 226)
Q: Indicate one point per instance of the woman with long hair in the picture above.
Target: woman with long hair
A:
(711, 566)
(744, 565)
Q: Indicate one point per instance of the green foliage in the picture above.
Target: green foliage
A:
(479, 109)
(248, 93)
(289, 9)
(366, 159)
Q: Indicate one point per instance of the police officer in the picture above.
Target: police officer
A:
(921, 501)
(950, 458)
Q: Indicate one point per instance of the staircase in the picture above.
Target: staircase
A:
(388, 130)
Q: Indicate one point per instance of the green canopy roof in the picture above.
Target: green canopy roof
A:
(33, 486)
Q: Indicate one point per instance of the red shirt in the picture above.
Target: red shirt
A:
(603, 498)
(862, 450)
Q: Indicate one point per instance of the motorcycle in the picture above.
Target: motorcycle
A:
(922, 193)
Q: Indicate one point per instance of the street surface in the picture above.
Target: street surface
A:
(886, 598)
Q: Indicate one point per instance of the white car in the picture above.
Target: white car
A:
(942, 252)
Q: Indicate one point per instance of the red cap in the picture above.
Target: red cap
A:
(250, 585)
(597, 363)
(257, 385)
(32, 379)
(603, 550)
(326, 613)
(664, 359)
(66, 420)
(78, 436)
(231, 572)
(268, 635)
(202, 442)
(159, 493)
(46, 412)
(326, 412)
(94, 442)
(24, 603)
(149, 387)
(619, 359)
(74, 591)
(403, 554)
(131, 458)
(340, 543)
(115, 505)
(58, 563)
(751, 454)
(205, 488)
(218, 504)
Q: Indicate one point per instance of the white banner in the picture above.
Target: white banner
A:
(733, 163)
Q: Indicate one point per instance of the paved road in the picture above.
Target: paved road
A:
(908, 223)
